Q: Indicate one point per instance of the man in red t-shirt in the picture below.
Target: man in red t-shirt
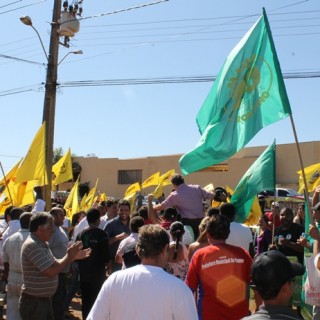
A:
(221, 274)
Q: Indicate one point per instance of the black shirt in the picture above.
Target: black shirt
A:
(292, 234)
(93, 267)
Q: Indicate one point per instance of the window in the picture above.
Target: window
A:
(283, 193)
(129, 176)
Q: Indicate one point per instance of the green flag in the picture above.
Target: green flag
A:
(248, 94)
(260, 176)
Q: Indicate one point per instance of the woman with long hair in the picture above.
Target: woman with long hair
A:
(178, 262)
(264, 237)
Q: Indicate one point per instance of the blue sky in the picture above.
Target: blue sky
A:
(176, 38)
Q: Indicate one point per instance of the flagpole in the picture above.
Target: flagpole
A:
(5, 182)
(302, 168)
(274, 192)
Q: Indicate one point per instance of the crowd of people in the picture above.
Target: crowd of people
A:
(171, 260)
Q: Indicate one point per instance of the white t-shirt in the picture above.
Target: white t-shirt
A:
(240, 235)
(316, 259)
(39, 206)
(144, 292)
(133, 237)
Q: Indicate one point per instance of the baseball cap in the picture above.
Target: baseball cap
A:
(272, 269)
(316, 207)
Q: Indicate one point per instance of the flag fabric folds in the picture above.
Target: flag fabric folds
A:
(132, 189)
(63, 169)
(312, 177)
(165, 179)
(70, 203)
(254, 213)
(153, 180)
(157, 193)
(247, 95)
(260, 176)
(91, 196)
(11, 174)
(33, 165)
(75, 201)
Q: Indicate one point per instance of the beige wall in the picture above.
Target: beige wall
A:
(287, 163)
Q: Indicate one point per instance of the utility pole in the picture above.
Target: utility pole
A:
(49, 106)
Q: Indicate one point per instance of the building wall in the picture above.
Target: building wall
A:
(287, 164)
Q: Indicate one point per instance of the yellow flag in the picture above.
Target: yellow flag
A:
(132, 189)
(33, 165)
(11, 174)
(68, 204)
(103, 197)
(4, 205)
(254, 214)
(91, 196)
(312, 176)
(165, 179)
(63, 169)
(75, 200)
(153, 180)
(16, 191)
(157, 193)
(22, 193)
(131, 198)
(83, 203)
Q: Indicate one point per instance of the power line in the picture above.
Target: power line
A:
(28, 5)
(9, 4)
(168, 80)
(183, 40)
(10, 156)
(20, 90)
(125, 9)
(186, 33)
(147, 81)
(197, 19)
(186, 26)
(20, 60)
(202, 27)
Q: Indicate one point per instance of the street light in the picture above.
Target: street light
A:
(49, 104)
(74, 52)
(28, 22)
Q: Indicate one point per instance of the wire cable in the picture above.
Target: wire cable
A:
(28, 5)
(21, 60)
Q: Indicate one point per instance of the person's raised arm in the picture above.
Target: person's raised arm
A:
(315, 197)
(152, 210)
(314, 234)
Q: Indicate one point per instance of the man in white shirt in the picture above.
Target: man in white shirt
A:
(240, 235)
(164, 296)
(40, 204)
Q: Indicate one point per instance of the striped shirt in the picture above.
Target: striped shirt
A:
(35, 258)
